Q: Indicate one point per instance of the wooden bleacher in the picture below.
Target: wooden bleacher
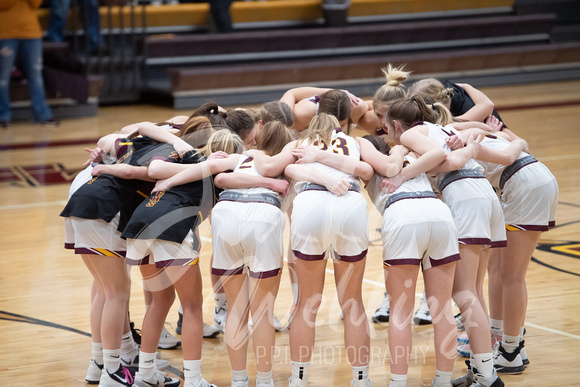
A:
(361, 75)
(280, 13)
(278, 44)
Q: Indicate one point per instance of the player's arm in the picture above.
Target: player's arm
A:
(336, 185)
(123, 171)
(243, 180)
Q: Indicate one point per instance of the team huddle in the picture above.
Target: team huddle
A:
(459, 193)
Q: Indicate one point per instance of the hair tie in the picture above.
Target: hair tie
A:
(433, 106)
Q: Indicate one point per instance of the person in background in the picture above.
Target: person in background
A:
(20, 31)
(90, 16)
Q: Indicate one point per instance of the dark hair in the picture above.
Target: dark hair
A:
(213, 114)
(277, 111)
(240, 122)
(335, 102)
(379, 143)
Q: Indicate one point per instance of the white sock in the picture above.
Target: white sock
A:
(147, 366)
(111, 359)
(239, 376)
(300, 369)
(294, 288)
(360, 373)
(129, 349)
(220, 299)
(180, 310)
(192, 371)
(442, 378)
(483, 362)
(264, 377)
(97, 352)
(522, 329)
(496, 326)
(398, 380)
(510, 343)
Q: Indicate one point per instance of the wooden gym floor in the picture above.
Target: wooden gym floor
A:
(45, 289)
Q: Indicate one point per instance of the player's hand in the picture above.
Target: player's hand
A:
(454, 142)
(305, 154)
(95, 156)
(218, 155)
(280, 185)
(161, 185)
(390, 185)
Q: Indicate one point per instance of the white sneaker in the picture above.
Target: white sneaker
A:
(524, 354)
(508, 362)
(271, 384)
(297, 382)
(219, 317)
(245, 383)
(162, 364)
(277, 324)
(361, 383)
(209, 331)
(202, 383)
(94, 372)
(156, 380)
(381, 315)
(168, 341)
(422, 315)
(465, 380)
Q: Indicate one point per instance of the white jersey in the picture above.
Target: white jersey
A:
(246, 165)
(490, 170)
(529, 197)
(439, 134)
(379, 198)
(340, 143)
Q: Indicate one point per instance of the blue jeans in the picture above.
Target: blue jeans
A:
(91, 20)
(31, 53)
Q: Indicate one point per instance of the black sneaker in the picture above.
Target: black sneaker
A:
(136, 333)
(508, 362)
(50, 122)
(122, 377)
(179, 322)
(481, 381)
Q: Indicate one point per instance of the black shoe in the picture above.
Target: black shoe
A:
(136, 333)
(50, 122)
(179, 322)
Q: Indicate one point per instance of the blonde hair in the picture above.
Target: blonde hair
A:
(393, 89)
(274, 137)
(224, 140)
(320, 128)
(431, 88)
